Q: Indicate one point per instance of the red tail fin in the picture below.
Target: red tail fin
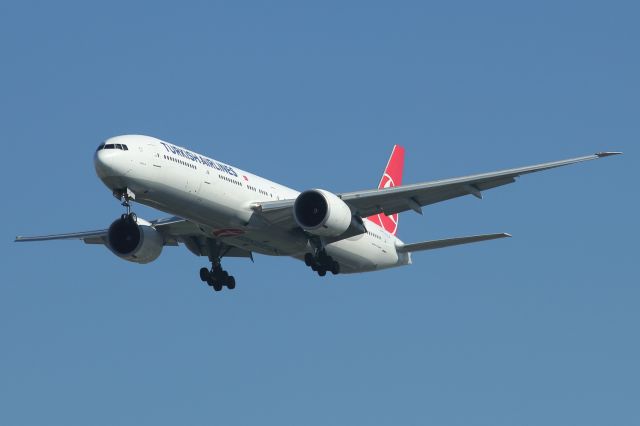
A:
(392, 177)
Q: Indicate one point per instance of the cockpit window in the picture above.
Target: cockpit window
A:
(113, 146)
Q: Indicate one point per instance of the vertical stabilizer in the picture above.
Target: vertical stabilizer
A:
(392, 177)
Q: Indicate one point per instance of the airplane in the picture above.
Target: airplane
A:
(219, 211)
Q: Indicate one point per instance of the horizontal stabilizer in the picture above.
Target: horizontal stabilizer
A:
(436, 244)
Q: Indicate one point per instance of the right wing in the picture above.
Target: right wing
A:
(89, 237)
(171, 228)
(174, 230)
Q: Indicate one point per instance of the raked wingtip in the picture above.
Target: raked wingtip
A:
(608, 153)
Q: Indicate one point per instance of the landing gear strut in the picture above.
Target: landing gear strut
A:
(127, 196)
(322, 263)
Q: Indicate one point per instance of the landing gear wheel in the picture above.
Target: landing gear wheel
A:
(321, 262)
(231, 282)
(217, 277)
(308, 259)
(204, 274)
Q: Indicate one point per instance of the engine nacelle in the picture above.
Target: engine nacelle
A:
(134, 240)
(322, 213)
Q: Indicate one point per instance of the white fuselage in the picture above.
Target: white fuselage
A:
(218, 198)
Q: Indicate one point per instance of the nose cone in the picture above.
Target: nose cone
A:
(112, 162)
(103, 161)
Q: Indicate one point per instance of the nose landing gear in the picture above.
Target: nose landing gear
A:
(126, 195)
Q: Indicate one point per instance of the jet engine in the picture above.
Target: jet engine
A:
(322, 213)
(134, 240)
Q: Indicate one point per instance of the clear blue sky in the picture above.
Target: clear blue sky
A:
(538, 329)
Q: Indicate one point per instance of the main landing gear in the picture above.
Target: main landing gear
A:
(322, 263)
(217, 277)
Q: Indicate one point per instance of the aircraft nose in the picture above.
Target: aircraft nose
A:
(105, 162)
(110, 160)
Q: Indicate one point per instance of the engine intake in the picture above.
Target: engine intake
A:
(134, 240)
(322, 213)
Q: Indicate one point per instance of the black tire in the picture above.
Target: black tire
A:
(231, 282)
(322, 272)
(308, 259)
(133, 217)
(204, 274)
(335, 268)
(314, 268)
(217, 285)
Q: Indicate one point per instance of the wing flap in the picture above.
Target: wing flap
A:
(175, 229)
(278, 212)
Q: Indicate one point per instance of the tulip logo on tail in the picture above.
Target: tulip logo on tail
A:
(392, 177)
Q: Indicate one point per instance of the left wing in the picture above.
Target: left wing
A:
(412, 197)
